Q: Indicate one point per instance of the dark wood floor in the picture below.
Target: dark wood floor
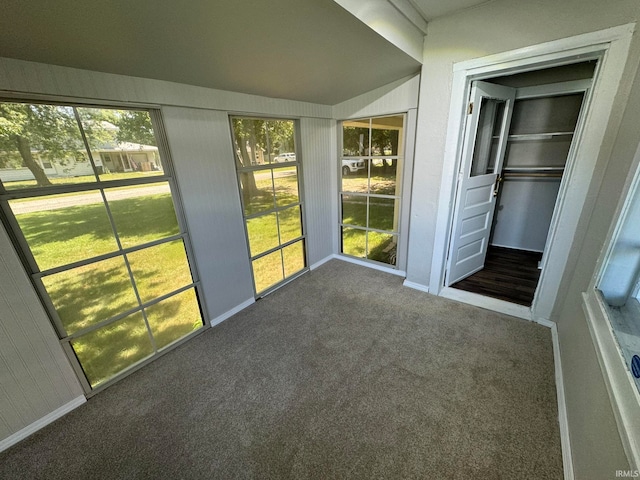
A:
(508, 274)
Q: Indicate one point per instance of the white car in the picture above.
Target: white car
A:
(352, 165)
(285, 157)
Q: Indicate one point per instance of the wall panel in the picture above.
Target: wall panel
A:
(202, 154)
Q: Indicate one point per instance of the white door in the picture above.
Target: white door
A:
(486, 130)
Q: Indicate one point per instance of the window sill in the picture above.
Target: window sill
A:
(623, 394)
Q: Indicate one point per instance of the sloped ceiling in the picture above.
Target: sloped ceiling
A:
(307, 50)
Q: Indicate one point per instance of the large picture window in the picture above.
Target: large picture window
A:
(268, 175)
(89, 200)
(370, 188)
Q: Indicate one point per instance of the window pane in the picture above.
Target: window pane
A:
(354, 210)
(122, 142)
(354, 241)
(267, 271)
(382, 247)
(92, 293)
(257, 191)
(281, 143)
(285, 181)
(382, 214)
(250, 141)
(355, 138)
(386, 135)
(174, 317)
(143, 213)
(485, 148)
(107, 351)
(384, 179)
(263, 233)
(66, 228)
(293, 256)
(45, 147)
(290, 224)
(355, 175)
(160, 269)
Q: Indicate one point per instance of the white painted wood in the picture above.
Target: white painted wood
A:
(322, 262)
(624, 396)
(41, 422)
(230, 313)
(407, 181)
(396, 97)
(383, 17)
(374, 266)
(318, 160)
(615, 42)
(21, 78)
(416, 286)
(35, 375)
(203, 159)
(489, 303)
(475, 200)
(565, 439)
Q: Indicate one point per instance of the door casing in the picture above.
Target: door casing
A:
(610, 47)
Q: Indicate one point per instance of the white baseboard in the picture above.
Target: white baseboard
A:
(232, 312)
(489, 303)
(416, 286)
(565, 440)
(322, 262)
(41, 422)
(375, 266)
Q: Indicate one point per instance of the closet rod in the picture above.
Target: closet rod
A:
(532, 175)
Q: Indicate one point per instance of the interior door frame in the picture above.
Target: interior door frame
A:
(610, 47)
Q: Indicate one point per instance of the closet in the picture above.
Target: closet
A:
(542, 130)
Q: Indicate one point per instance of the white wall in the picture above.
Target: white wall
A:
(502, 26)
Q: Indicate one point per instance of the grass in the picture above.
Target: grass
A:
(381, 246)
(86, 295)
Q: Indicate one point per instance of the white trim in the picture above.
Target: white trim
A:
(232, 312)
(565, 438)
(508, 308)
(375, 266)
(322, 262)
(551, 89)
(623, 394)
(41, 422)
(612, 46)
(416, 286)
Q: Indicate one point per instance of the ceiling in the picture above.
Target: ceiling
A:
(307, 50)
(430, 9)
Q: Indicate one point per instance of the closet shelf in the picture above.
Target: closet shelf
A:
(535, 136)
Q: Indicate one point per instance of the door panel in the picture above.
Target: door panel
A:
(483, 150)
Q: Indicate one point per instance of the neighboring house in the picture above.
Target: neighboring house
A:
(109, 158)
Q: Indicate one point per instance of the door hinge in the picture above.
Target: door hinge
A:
(470, 109)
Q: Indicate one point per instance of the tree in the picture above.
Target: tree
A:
(49, 129)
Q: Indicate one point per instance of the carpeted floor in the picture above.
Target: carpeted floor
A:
(343, 373)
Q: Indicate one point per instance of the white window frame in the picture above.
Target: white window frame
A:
(623, 393)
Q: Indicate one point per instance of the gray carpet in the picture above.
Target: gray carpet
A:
(344, 373)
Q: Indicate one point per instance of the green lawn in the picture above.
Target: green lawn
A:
(105, 177)
(86, 295)
(381, 214)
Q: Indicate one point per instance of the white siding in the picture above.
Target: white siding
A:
(200, 144)
(37, 78)
(399, 96)
(35, 375)
(320, 182)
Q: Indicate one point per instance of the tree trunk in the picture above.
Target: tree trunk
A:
(249, 188)
(25, 152)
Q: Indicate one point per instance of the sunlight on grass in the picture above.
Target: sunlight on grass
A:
(96, 292)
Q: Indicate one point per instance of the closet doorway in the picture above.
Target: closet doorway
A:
(517, 143)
